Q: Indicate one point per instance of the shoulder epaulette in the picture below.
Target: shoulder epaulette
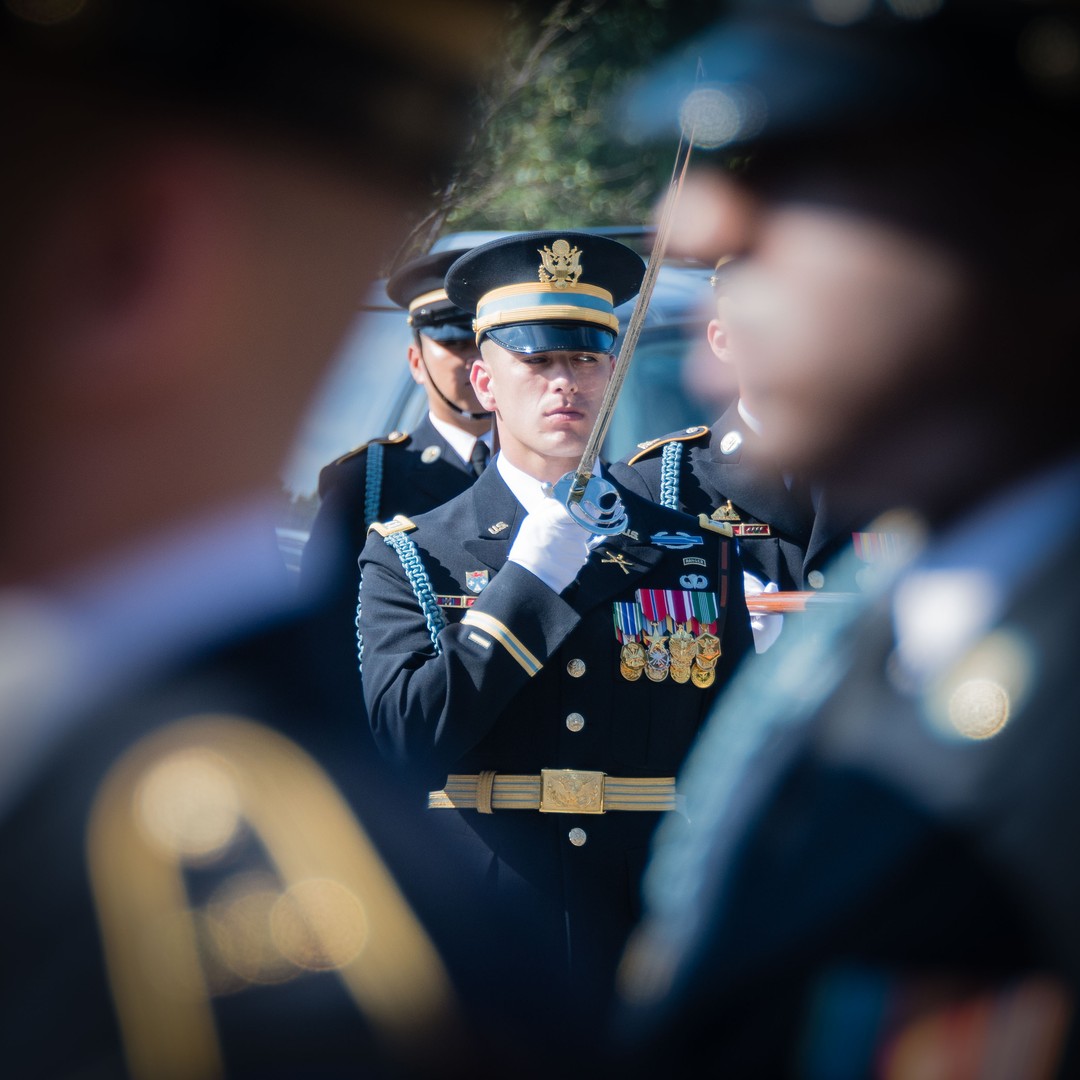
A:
(399, 523)
(685, 435)
(387, 440)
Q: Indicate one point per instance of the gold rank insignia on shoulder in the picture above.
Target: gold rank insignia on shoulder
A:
(399, 523)
(679, 436)
(388, 440)
(560, 264)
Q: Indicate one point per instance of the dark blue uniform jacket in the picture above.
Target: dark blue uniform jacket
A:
(718, 464)
(527, 679)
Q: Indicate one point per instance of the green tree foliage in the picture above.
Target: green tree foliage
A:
(544, 154)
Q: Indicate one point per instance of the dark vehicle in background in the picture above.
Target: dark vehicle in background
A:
(369, 391)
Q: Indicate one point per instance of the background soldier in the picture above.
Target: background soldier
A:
(400, 473)
(505, 644)
(787, 540)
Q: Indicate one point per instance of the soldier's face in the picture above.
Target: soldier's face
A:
(546, 404)
(447, 365)
(840, 318)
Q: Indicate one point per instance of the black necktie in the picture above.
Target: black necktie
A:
(479, 457)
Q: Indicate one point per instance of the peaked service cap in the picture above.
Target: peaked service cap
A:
(388, 89)
(547, 291)
(776, 70)
(419, 286)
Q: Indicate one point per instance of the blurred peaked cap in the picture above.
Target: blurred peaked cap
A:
(722, 271)
(780, 69)
(389, 85)
(419, 287)
(547, 291)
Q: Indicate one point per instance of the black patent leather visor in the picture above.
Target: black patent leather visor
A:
(543, 337)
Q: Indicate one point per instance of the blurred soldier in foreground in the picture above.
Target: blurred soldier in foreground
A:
(401, 473)
(785, 537)
(202, 877)
(508, 645)
(882, 879)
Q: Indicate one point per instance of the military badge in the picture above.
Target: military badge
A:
(476, 580)
(676, 541)
(726, 512)
(751, 530)
(560, 264)
(702, 679)
(871, 547)
(666, 632)
(657, 658)
(703, 671)
(632, 660)
(694, 581)
(455, 601)
(430, 454)
(619, 560)
(682, 646)
(628, 627)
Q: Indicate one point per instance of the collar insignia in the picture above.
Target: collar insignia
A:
(619, 560)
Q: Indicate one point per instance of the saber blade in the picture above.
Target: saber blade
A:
(573, 486)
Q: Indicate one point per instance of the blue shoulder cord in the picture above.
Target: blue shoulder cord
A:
(372, 491)
(417, 576)
(373, 484)
(669, 475)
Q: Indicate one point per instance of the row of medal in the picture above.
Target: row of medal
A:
(667, 632)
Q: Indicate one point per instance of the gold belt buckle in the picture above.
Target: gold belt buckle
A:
(571, 791)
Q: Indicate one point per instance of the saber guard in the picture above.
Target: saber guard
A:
(594, 505)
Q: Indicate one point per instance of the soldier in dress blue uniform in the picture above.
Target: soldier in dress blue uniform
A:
(400, 473)
(549, 679)
(788, 539)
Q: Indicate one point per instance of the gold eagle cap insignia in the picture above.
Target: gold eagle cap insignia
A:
(560, 264)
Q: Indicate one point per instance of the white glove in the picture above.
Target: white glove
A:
(766, 627)
(551, 544)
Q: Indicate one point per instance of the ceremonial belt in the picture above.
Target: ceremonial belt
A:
(554, 791)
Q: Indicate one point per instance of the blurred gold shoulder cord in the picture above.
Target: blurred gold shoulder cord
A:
(327, 902)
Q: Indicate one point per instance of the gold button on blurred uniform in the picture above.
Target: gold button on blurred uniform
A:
(577, 837)
(575, 721)
(575, 669)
